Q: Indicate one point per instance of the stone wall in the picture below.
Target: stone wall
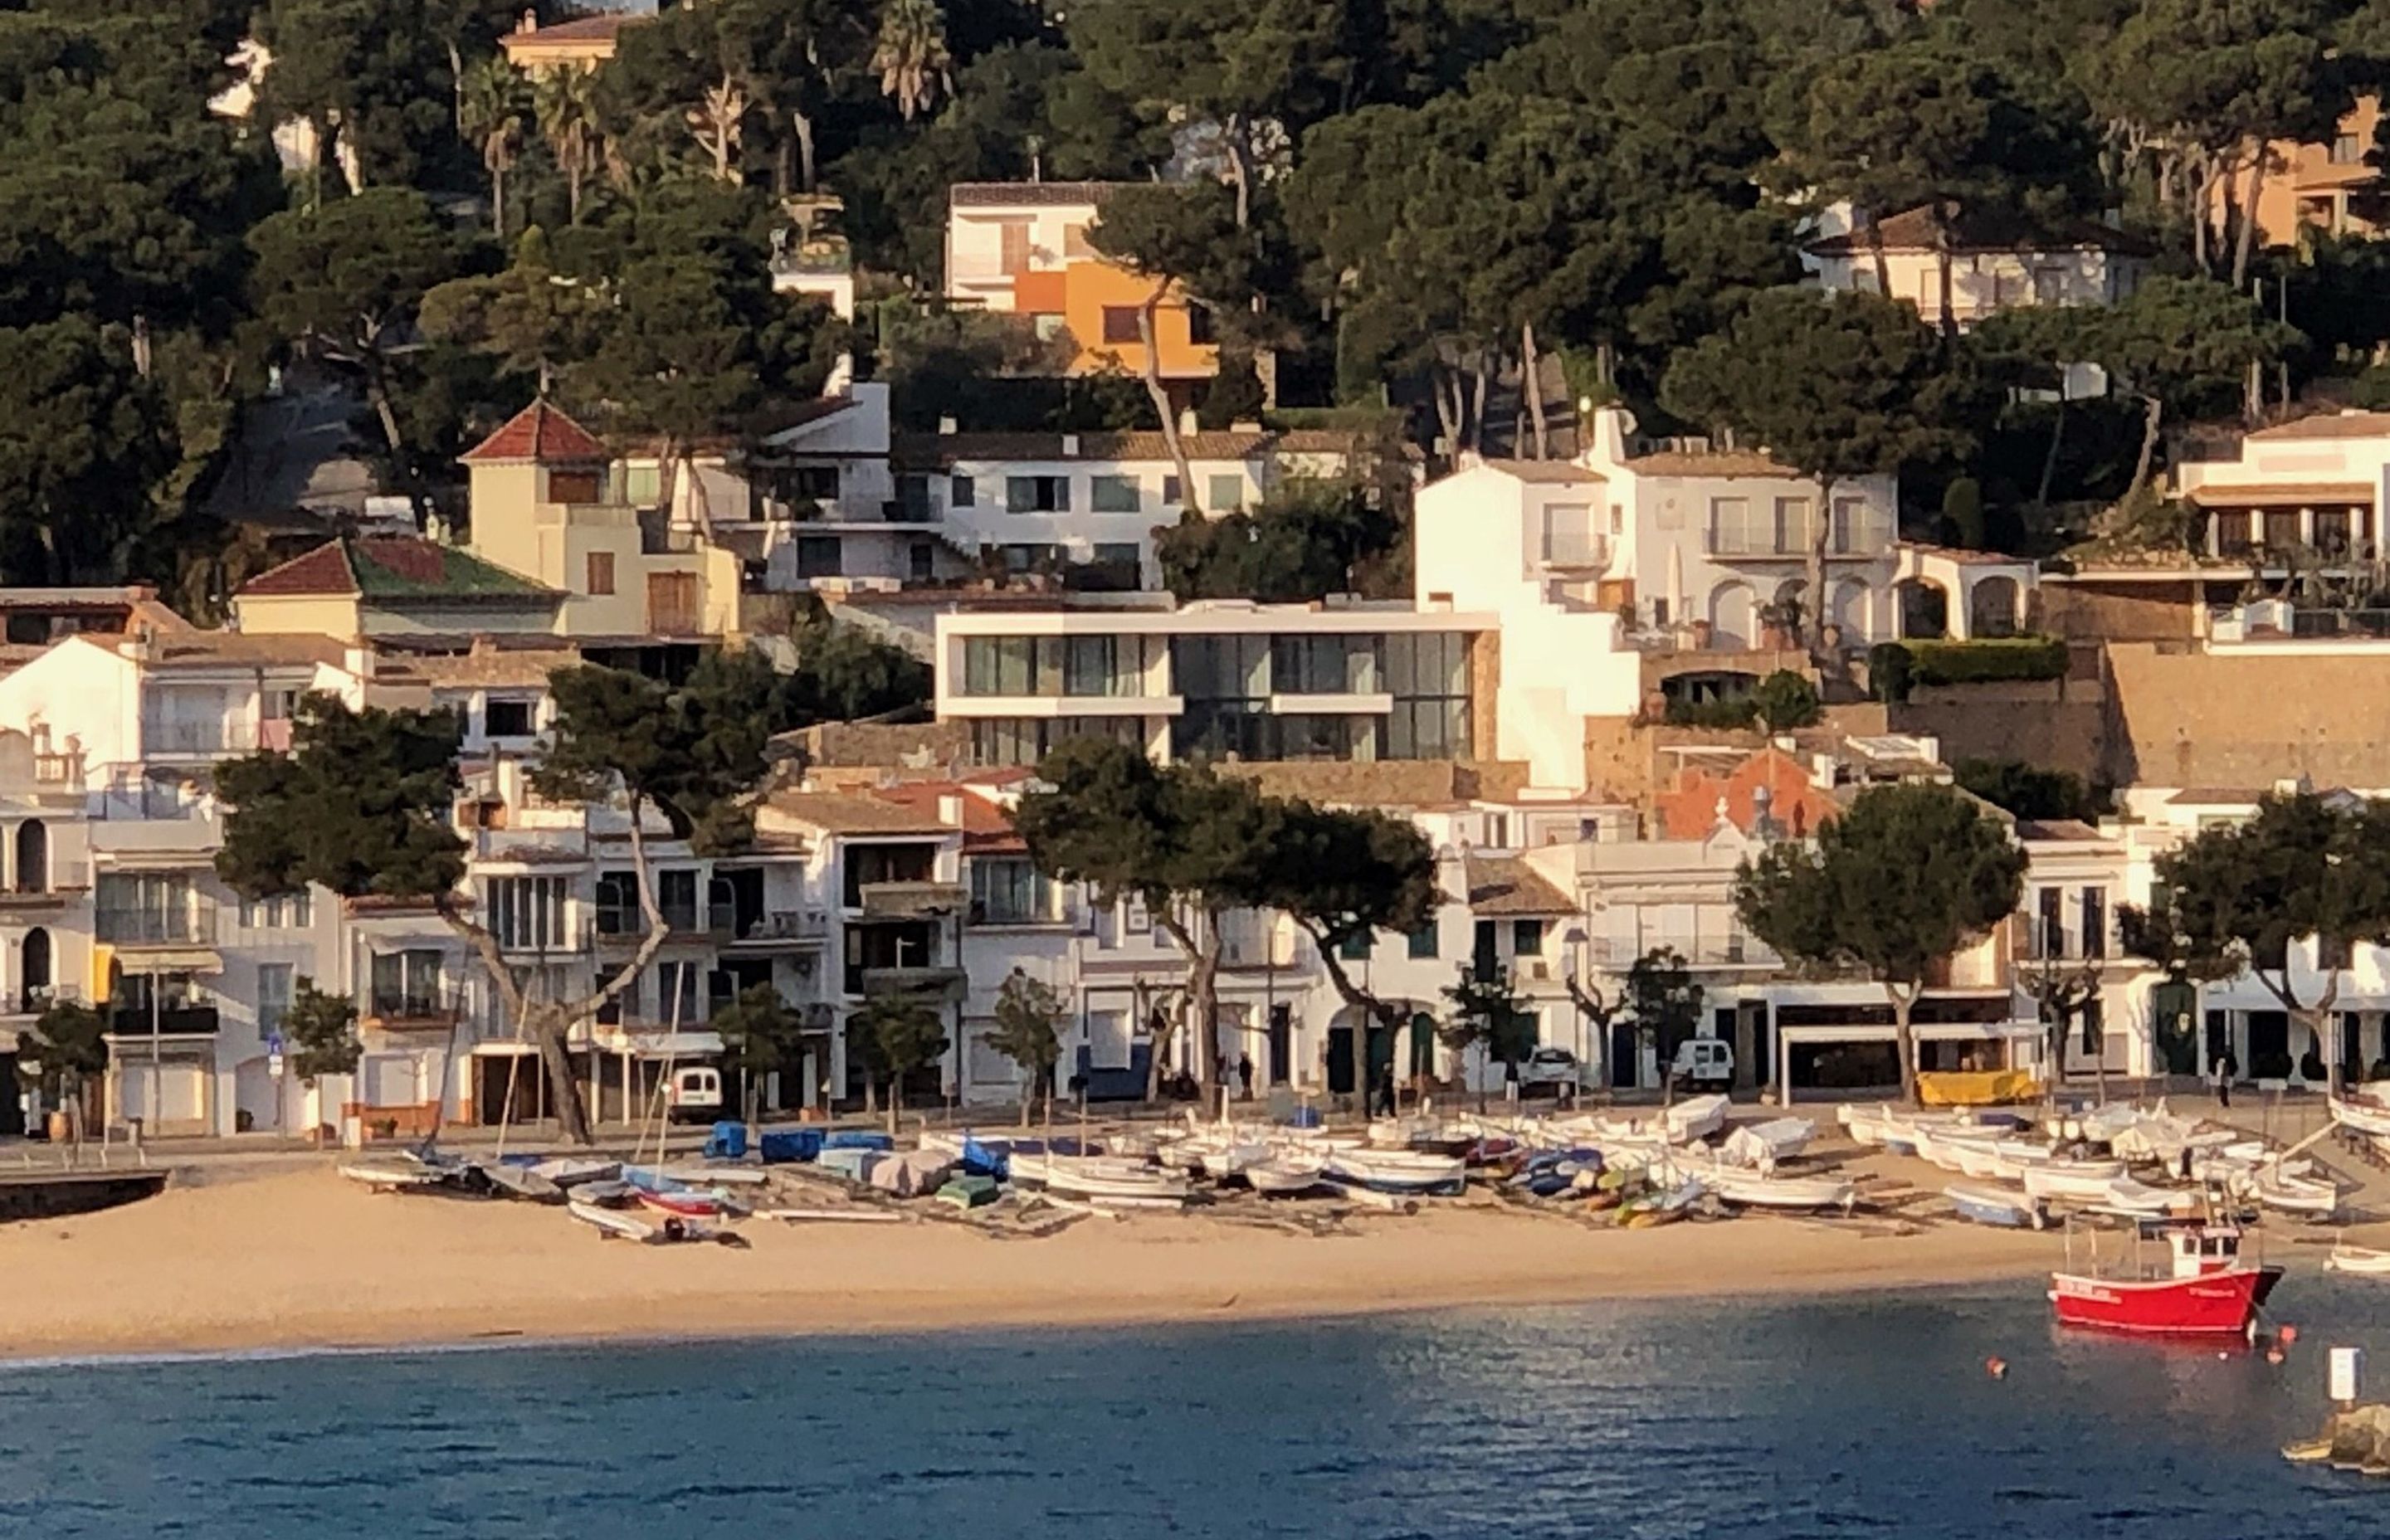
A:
(2187, 718)
(2054, 724)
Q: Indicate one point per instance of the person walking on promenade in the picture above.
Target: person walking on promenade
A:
(2223, 1077)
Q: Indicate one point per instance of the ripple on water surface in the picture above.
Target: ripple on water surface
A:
(1854, 1417)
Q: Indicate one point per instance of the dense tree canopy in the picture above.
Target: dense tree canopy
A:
(2306, 869)
(1902, 880)
(1461, 208)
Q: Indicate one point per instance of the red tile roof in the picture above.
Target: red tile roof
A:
(541, 434)
(324, 570)
(393, 567)
(586, 28)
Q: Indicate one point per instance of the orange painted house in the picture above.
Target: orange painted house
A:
(1689, 810)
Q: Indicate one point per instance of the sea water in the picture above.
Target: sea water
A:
(1865, 1415)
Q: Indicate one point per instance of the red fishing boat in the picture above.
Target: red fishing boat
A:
(2199, 1286)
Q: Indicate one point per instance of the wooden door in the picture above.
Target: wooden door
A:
(1014, 234)
(672, 604)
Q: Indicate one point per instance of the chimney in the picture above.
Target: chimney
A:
(950, 808)
(1613, 426)
(529, 24)
(1070, 446)
(1188, 423)
(947, 426)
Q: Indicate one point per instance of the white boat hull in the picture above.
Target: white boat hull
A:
(1403, 1172)
(2365, 1115)
(2295, 1194)
(1282, 1178)
(1097, 1179)
(1752, 1190)
(2073, 1181)
(610, 1222)
(2360, 1260)
(1994, 1206)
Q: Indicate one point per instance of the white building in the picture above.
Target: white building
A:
(1998, 263)
(2301, 491)
(996, 231)
(46, 917)
(1218, 678)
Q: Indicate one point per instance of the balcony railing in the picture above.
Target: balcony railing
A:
(137, 1021)
(1698, 951)
(202, 740)
(912, 900)
(943, 981)
(145, 801)
(1575, 549)
(36, 998)
(778, 925)
(192, 926)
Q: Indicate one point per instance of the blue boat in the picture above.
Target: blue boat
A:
(2009, 1211)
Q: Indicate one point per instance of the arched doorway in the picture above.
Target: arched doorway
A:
(1850, 611)
(1925, 610)
(1734, 616)
(37, 964)
(32, 858)
(1992, 608)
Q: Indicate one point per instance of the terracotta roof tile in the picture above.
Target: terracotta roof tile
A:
(1547, 473)
(849, 812)
(1507, 885)
(324, 570)
(2330, 425)
(1987, 231)
(585, 28)
(393, 567)
(945, 449)
(1714, 462)
(1021, 195)
(541, 434)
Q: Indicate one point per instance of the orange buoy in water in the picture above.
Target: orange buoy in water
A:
(2290, 1334)
(1997, 1368)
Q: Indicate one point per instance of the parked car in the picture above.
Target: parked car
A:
(694, 1094)
(1707, 1062)
(1551, 1073)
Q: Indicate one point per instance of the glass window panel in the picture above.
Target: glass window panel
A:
(1114, 494)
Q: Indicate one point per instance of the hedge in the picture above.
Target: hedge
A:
(1991, 661)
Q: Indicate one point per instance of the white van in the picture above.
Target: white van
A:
(695, 1094)
(1703, 1061)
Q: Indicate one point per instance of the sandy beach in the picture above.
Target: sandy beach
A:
(301, 1258)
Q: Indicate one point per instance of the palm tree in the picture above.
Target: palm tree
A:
(565, 103)
(912, 57)
(490, 115)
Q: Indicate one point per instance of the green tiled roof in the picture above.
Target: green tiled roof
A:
(396, 567)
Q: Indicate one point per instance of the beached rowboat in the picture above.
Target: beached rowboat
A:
(1410, 1172)
(2361, 1260)
(2074, 1181)
(606, 1222)
(1283, 1176)
(1101, 1179)
(398, 1173)
(2012, 1211)
(2362, 1113)
(2304, 1195)
(1751, 1190)
(684, 1205)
